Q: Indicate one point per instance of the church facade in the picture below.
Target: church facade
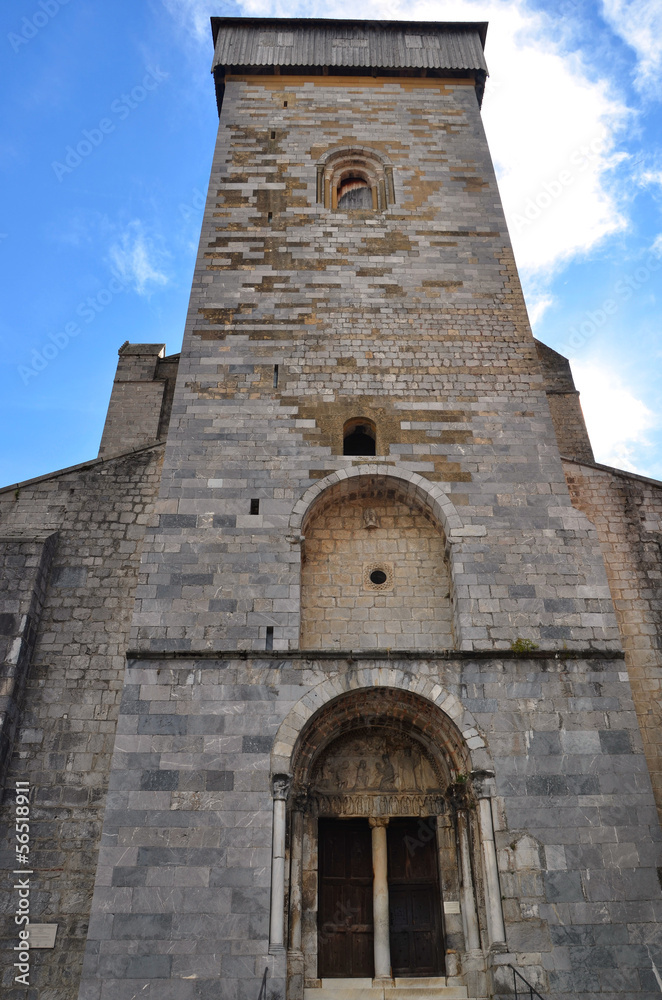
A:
(337, 675)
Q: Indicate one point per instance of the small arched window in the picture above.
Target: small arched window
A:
(359, 437)
(357, 178)
(354, 192)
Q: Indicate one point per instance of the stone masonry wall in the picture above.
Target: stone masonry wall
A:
(627, 513)
(140, 403)
(412, 317)
(182, 894)
(25, 564)
(342, 608)
(66, 733)
(564, 405)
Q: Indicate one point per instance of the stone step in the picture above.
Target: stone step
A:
(425, 982)
(393, 993)
(424, 988)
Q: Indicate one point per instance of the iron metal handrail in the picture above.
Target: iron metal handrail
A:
(532, 992)
(262, 995)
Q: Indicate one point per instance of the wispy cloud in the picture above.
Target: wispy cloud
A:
(639, 24)
(537, 306)
(618, 421)
(137, 259)
(193, 15)
(650, 178)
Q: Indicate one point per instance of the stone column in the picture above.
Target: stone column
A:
(496, 931)
(380, 898)
(281, 785)
(469, 915)
(296, 877)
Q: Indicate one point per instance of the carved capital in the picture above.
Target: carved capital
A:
(281, 786)
(378, 820)
(484, 784)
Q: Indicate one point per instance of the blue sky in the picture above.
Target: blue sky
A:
(108, 122)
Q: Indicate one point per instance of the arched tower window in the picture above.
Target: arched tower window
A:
(356, 178)
(354, 192)
(359, 437)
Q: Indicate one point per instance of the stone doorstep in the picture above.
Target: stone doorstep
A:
(424, 988)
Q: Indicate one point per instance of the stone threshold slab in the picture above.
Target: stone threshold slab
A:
(424, 988)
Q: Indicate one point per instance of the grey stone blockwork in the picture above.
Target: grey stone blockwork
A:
(72, 542)
(412, 316)
(25, 562)
(183, 885)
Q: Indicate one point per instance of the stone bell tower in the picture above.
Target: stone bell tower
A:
(377, 736)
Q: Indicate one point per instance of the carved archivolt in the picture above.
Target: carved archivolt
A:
(370, 755)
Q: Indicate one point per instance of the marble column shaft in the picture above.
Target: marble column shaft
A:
(380, 899)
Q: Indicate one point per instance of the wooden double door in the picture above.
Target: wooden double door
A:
(345, 922)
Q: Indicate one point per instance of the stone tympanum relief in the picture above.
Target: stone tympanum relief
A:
(378, 772)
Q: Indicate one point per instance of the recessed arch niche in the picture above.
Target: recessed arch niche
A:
(374, 570)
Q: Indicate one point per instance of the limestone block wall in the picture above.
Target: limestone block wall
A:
(564, 404)
(73, 684)
(182, 895)
(342, 607)
(302, 317)
(627, 512)
(140, 403)
(25, 563)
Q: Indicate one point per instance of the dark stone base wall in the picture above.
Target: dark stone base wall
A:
(182, 891)
(93, 518)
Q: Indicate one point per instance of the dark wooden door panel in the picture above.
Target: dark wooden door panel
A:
(414, 899)
(345, 933)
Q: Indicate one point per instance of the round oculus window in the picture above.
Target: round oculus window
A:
(378, 575)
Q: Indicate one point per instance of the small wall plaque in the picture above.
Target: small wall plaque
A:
(451, 906)
(42, 935)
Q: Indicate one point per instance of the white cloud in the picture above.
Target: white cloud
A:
(137, 260)
(650, 178)
(639, 24)
(618, 422)
(194, 15)
(546, 116)
(537, 304)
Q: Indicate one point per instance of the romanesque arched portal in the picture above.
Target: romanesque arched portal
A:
(384, 841)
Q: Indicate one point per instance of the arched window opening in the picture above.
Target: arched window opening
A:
(354, 192)
(359, 437)
(358, 178)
